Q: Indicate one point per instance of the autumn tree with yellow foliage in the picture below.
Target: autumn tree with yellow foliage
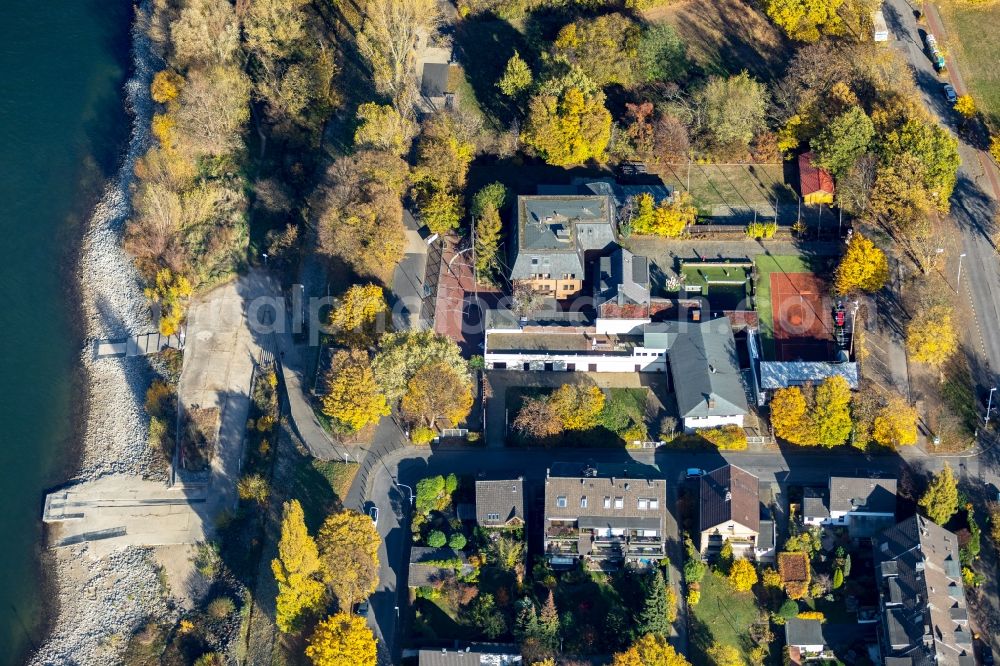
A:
(811, 416)
(342, 640)
(296, 570)
(966, 106)
(896, 423)
(931, 337)
(788, 415)
(577, 405)
(348, 547)
(742, 575)
(805, 20)
(437, 391)
(172, 293)
(668, 219)
(357, 311)
(650, 650)
(721, 654)
(354, 399)
(568, 123)
(864, 267)
(383, 128)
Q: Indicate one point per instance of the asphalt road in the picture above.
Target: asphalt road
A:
(973, 201)
(973, 204)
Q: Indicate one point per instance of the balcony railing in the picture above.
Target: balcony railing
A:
(562, 533)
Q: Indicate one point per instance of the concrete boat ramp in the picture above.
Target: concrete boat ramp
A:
(137, 345)
(123, 510)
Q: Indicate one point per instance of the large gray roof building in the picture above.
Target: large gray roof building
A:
(553, 232)
(704, 366)
(924, 614)
(605, 520)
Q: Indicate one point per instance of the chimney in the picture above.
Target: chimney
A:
(711, 402)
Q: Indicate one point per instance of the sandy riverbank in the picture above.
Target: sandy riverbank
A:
(99, 603)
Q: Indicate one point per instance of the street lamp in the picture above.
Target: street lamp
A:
(989, 406)
(264, 254)
(409, 489)
(958, 282)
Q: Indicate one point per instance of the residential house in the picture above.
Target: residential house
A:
(922, 599)
(500, 503)
(865, 506)
(766, 544)
(484, 654)
(805, 637)
(705, 369)
(430, 567)
(729, 509)
(815, 509)
(433, 67)
(621, 288)
(605, 520)
(553, 235)
(815, 183)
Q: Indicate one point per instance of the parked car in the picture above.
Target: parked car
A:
(695, 472)
(373, 514)
(949, 93)
(361, 609)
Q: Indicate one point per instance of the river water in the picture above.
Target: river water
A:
(63, 127)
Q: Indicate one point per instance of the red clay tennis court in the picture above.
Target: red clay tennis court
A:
(803, 325)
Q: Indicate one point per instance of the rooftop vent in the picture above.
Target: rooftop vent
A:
(729, 495)
(561, 232)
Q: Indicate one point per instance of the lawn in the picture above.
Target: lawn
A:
(972, 29)
(722, 616)
(320, 486)
(727, 37)
(715, 188)
(725, 287)
(767, 264)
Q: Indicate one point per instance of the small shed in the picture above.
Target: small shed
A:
(815, 183)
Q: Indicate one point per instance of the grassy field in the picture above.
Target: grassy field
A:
(972, 29)
(767, 264)
(724, 185)
(722, 616)
(727, 36)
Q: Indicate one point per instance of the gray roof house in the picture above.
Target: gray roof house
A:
(805, 635)
(605, 520)
(866, 506)
(729, 509)
(553, 232)
(705, 370)
(500, 503)
(472, 655)
(621, 285)
(922, 599)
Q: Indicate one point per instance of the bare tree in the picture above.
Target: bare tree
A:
(388, 39)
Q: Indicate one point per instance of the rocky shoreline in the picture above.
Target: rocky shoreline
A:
(99, 603)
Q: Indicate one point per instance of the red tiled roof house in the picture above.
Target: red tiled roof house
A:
(815, 184)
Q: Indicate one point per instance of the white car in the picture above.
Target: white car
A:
(373, 514)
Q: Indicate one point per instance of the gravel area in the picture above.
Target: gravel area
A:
(102, 601)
